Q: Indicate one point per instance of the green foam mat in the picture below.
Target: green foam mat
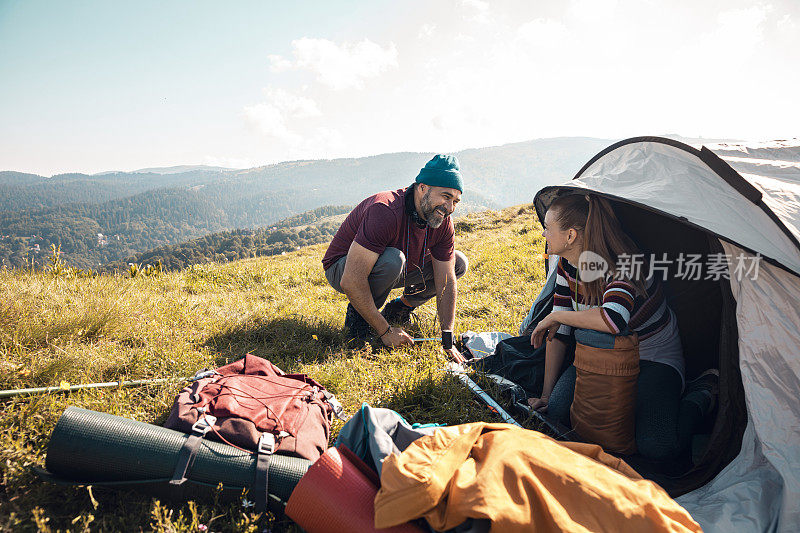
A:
(89, 447)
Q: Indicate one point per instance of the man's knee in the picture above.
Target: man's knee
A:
(389, 264)
(462, 264)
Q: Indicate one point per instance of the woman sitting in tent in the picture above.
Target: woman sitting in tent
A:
(618, 305)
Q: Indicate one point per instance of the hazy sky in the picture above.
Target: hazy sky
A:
(111, 85)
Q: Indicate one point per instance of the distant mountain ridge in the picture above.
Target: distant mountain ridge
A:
(180, 169)
(109, 217)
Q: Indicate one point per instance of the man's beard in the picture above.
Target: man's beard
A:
(434, 216)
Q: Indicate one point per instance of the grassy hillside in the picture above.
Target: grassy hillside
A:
(54, 328)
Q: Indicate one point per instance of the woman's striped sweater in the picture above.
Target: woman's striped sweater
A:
(623, 310)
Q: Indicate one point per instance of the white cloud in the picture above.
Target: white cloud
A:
(478, 5)
(228, 162)
(593, 10)
(786, 22)
(543, 34)
(273, 116)
(543, 72)
(739, 31)
(290, 123)
(338, 66)
(480, 11)
(731, 41)
(426, 31)
(278, 63)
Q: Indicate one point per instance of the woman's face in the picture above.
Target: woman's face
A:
(558, 240)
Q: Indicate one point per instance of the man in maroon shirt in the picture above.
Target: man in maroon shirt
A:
(401, 238)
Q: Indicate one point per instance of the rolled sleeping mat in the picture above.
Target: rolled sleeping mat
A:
(89, 447)
(338, 494)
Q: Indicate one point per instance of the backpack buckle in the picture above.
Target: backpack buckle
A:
(202, 374)
(204, 424)
(337, 408)
(266, 444)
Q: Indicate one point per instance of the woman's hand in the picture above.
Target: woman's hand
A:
(548, 325)
(539, 404)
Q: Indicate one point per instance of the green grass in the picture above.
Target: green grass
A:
(56, 328)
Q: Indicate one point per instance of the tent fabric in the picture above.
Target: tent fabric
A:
(516, 360)
(758, 490)
(675, 181)
(543, 303)
(482, 344)
(520, 480)
(774, 168)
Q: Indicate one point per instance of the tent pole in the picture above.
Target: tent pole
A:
(460, 372)
(66, 387)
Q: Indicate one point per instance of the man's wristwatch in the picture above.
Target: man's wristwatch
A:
(447, 339)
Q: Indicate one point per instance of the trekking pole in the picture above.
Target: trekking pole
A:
(66, 387)
(427, 339)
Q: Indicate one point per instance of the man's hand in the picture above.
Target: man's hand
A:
(454, 354)
(548, 326)
(396, 337)
(539, 404)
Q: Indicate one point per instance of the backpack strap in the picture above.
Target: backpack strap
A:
(190, 447)
(266, 447)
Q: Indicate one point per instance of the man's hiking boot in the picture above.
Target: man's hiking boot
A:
(358, 328)
(396, 312)
(703, 390)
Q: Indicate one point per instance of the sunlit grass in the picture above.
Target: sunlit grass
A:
(83, 330)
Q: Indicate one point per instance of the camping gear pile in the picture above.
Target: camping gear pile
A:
(383, 475)
(736, 203)
(246, 425)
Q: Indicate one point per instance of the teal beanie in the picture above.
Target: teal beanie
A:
(442, 171)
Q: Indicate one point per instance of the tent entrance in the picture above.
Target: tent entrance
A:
(706, 313)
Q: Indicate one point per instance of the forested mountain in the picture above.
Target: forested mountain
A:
(112, 216)
(90, 235)
(312, 227)
(19, 178)
(27, 192)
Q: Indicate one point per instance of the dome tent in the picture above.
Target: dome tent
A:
(739, 204)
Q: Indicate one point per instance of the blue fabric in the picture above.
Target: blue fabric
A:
(373, 433)
(594, 338)
(561, 397)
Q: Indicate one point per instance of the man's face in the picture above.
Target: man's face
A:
(437, 203)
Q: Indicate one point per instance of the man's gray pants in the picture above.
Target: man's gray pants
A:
(387, 274)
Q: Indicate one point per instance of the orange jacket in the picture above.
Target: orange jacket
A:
(520, 480)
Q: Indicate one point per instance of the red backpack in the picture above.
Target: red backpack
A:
(253, 405)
